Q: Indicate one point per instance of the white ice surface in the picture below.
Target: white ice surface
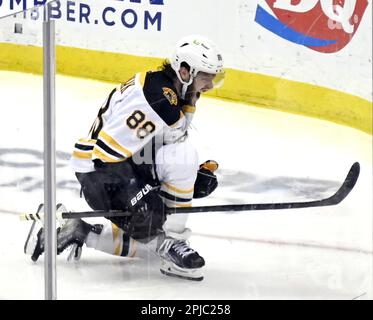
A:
(264, 156)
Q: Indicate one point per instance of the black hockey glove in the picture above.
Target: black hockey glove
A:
(148, 217)
(206, 181)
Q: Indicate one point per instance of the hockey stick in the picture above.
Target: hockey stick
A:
(336, 198)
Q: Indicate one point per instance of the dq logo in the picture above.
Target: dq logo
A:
(322, 25)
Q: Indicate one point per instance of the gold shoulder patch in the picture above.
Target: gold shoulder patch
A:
(170, 95)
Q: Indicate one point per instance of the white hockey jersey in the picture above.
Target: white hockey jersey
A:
(136, 111)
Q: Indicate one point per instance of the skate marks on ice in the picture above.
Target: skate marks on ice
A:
(242, 183)
(280, 243)
(23, 162)
(34, 158)
(22, 168)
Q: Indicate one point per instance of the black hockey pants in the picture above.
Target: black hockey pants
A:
(113, 186)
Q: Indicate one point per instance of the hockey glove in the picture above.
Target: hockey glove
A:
(148, 217)
(206, 181)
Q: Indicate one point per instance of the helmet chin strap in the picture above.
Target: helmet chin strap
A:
(185, 84)
(184, 90)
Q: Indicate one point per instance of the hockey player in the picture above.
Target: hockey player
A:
(137, 158)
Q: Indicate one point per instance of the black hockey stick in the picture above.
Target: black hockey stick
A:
(336, 198)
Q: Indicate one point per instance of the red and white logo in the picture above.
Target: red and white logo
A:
(322, 25)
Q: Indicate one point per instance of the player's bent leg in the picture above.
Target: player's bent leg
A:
(112, 240)
(177, 258)
(177, 166)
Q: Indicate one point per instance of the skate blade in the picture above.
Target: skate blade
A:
(181, 276)
(75, 253)
(170, 269)
(30, 244)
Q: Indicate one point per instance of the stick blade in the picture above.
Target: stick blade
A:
(346, 187)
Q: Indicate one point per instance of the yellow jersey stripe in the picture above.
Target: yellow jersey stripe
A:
(104, 157)
(90, 141)
(189, 109)
(115, 230)
(174, 204)
(142, 78)
(116, 239)
(118, 250)
(112, 142)
(175, 189)
(82, 155)
(184, 205)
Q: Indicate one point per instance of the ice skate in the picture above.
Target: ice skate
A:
(34, 244)
(72, 234)
(180, 260)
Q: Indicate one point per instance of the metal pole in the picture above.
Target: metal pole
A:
(50, 280)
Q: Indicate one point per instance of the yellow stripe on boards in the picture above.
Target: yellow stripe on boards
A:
(14, 57)
(252, 88)
(298, 98)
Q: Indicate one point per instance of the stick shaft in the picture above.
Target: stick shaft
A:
(336, 198)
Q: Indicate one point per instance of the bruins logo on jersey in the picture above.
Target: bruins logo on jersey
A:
(170, 95)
